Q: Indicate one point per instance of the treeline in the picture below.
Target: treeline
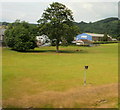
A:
(56, 22)
(109, 26)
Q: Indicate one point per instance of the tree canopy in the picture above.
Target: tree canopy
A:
(20, 36)
(105, 37)
(57, 23)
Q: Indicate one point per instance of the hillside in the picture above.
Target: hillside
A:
(4, 23)
(108, 25)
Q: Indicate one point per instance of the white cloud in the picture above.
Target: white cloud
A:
(60, 0)
(24, 11)
(92, 11)
(87, 6)
(82, 11)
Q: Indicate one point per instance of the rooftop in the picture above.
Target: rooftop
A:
(95, 35)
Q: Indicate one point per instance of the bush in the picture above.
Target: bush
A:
(19, 36)
(105, 42)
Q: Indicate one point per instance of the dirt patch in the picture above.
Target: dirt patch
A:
(104, 96)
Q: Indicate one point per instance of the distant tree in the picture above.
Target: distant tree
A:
(117, 31)
(19, 36)
(105, 37)
(57, 23)
(118, 38)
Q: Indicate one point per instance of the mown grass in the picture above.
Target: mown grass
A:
(44, 70)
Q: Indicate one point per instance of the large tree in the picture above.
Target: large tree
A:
(57, 23)
(20, 36)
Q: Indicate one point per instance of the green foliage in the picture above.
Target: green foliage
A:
(4, 23)
(64, 42)
(110, 26)
(57, 23)
(20, 36)
(105, 42)
(105, 37)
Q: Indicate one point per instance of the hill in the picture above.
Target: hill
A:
(4, 23)
(108, 25)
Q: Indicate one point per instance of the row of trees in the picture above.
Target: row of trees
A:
(56, 22)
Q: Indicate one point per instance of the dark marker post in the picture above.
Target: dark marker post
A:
(86, 67)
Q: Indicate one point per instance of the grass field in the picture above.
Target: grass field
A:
(47, 79)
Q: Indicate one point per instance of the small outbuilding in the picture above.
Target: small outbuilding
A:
(2, 31)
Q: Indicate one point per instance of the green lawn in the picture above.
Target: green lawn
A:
(44, 70)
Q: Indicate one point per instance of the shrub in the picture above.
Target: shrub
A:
(19, 36)
(105, 42)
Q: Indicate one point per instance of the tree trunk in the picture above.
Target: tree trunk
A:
(57, 46)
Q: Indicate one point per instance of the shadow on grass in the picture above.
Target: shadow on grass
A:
(54, 51)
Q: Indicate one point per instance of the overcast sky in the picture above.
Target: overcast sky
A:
(82, 11)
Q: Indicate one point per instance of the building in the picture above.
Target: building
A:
(98, 37)
(83, 39)
(2, 30)
(89, 38)
(43, 41)
(84, 36)
(84, 42)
